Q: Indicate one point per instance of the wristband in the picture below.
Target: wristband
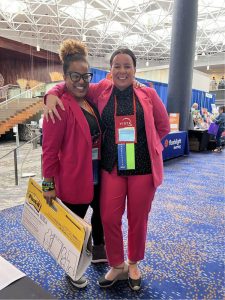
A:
(48, 186)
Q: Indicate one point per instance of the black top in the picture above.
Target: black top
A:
(109, 148)
(95, 134)
(92, 122)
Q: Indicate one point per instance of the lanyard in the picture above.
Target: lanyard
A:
(90, 110)
(125, 138)
(134, 104)
(96, 144)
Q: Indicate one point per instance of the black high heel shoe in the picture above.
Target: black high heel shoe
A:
(135, 284)
(123, 275)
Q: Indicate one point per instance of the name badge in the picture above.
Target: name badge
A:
(127, 134)
(125, 129)
(95, 152)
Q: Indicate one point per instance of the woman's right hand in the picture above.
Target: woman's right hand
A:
(50, 109)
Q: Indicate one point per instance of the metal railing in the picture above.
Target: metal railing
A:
(26, 94)
(4, 90)
(15, 154)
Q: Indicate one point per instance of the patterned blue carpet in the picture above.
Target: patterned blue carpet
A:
(185, 245)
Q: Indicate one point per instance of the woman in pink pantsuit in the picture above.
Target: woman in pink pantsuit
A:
(135, 121)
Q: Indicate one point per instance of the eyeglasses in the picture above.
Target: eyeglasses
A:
(75, 76)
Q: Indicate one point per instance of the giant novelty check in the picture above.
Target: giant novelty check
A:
(62, 233)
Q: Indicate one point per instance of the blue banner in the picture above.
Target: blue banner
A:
(175, 144)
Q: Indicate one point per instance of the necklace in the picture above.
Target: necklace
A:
(86, 106)
(83, 103)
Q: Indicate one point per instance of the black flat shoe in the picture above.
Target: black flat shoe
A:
(135, 284)
(105, 283)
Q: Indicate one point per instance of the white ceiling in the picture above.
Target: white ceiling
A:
(142, 25)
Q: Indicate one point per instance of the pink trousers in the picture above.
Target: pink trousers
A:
(139, 191)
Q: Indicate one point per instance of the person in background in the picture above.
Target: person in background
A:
(135, 121)
(40, 125)
(196, 116)
(221, 84)
(151, 85)
(194, 106)
(206, 117)
(213, 84)
(220, 120)
(71, 148)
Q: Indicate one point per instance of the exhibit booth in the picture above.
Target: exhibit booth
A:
(176, 143)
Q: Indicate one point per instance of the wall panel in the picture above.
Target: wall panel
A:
(15, 65)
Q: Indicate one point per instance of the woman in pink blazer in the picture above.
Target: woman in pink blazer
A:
(71, 148)
(135, 121)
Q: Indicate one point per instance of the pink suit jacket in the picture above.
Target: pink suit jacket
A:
(67, 153)
(155, 115)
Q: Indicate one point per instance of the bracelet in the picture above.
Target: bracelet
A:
(48, 186)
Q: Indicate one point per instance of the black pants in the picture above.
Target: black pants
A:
(96, 222)
(218, 137)
(41, 137)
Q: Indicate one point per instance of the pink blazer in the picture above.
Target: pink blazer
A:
(67, 153)
(155, 115)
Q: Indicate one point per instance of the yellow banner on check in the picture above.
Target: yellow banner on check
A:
(56, 214)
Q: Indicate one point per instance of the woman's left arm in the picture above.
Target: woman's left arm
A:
(161, 118)
(218, 119)
(53, 135)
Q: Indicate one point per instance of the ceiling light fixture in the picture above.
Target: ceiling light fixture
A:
(207, 67)
(147, 63)
(84, 38)
(38, 48)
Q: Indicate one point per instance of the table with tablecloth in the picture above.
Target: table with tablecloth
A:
(198, 139)
(175, 144)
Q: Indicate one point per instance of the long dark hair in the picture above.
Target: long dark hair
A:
(222, 108)
(123, 51)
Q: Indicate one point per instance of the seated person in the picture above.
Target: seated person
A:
(196, 116)
(194, 107)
